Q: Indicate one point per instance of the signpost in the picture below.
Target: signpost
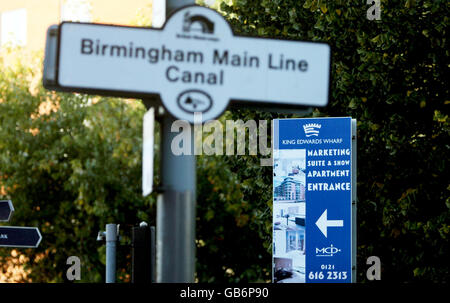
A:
(6, 210)
(315, 189)
(147, 151)
(193, 64)
(16, 236)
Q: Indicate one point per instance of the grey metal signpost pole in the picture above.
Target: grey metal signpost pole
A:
(175, 218)
(354, 198)
(175, 215)
(111, 244)
(172, 5)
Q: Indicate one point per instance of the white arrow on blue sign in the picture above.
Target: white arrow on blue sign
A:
(323, 223)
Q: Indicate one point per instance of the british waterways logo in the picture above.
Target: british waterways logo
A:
(197, 23)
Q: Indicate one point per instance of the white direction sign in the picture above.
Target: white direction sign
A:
(195, 63)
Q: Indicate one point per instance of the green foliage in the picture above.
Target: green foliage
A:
(392, 76)
(71, 164)
(233, 218)
(73, 169)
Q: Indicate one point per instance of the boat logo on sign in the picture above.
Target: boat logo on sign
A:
(194, 100)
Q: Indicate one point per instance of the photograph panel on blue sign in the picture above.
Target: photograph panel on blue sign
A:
(289, 176)
(289, 216)
(289, 242)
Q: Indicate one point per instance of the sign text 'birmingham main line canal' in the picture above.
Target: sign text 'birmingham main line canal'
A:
(194, 63)
(173, 73)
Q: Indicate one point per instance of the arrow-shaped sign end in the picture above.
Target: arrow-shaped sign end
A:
(322, 223)
(6, 210)
(40, 237)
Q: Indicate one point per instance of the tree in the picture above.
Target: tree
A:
(71, 164)
(391, 75)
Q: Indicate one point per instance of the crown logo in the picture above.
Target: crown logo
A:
(312, 129)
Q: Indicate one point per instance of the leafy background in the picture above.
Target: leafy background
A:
(72, 163)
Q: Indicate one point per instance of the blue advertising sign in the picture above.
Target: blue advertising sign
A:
(312, 200)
